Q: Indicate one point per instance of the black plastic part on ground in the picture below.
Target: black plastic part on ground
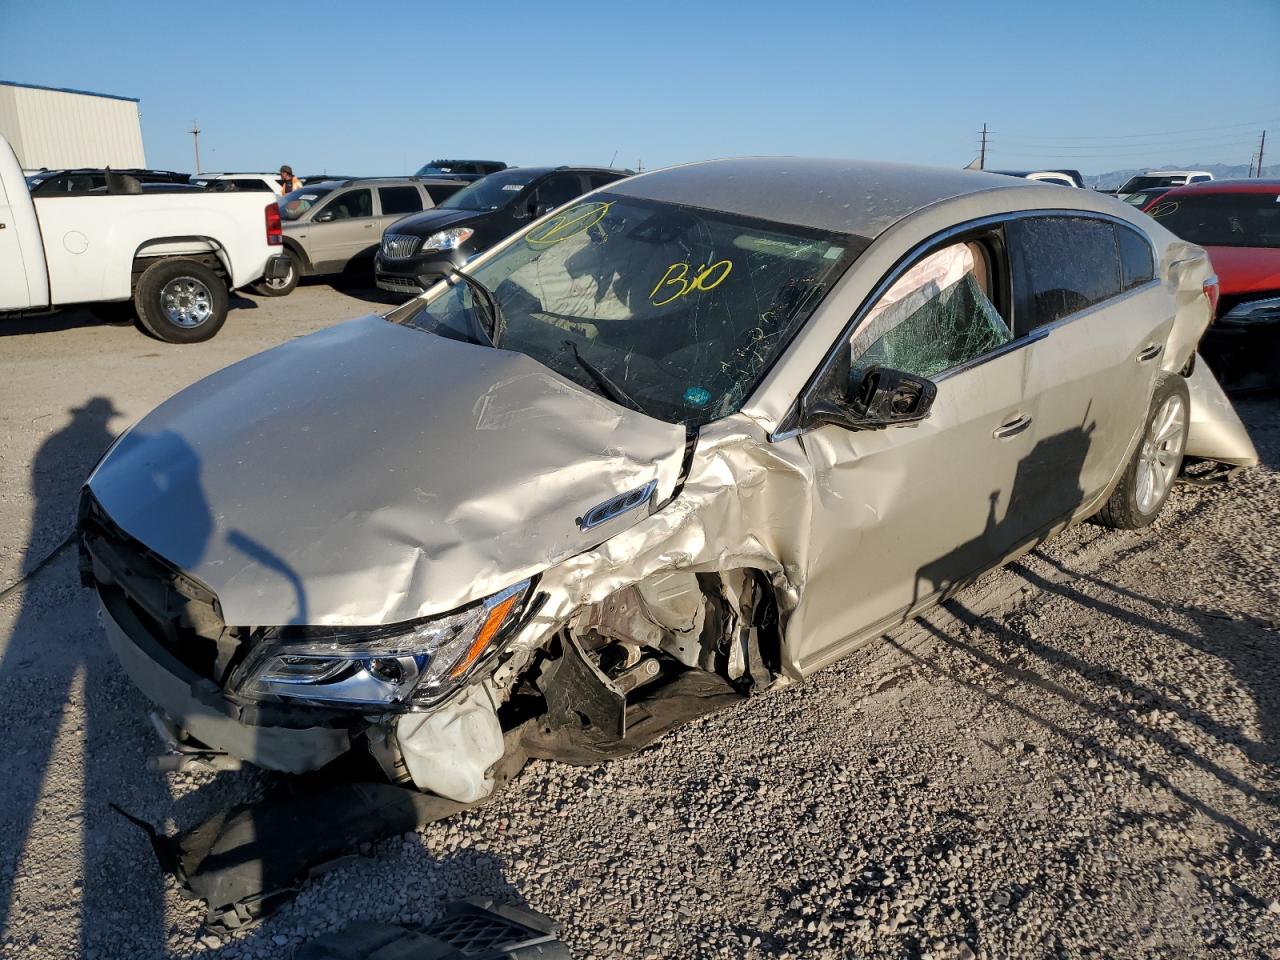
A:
(246, 862)
(474, 929)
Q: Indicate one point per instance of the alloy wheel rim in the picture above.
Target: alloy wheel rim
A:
(187, 302)
(1161, 453)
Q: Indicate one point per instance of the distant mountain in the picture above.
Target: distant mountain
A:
(1220, 171)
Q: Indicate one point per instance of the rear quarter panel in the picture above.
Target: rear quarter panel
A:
(91, 242)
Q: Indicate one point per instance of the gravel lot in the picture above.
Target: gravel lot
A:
(1077, 758)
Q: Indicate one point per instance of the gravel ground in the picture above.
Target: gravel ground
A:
(1076, 758)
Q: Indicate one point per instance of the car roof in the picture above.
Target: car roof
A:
(337, 182)
(1171, 173)
(856, 197)
(533, 172)
(1258, 185)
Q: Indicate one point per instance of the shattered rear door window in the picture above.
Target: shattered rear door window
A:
(935, 317)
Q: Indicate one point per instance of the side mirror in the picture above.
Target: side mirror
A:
(881, 398)
(324, 216)
(887, 398)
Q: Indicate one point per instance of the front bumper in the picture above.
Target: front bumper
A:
(197, 705)
(1244, 356)
(414, 275)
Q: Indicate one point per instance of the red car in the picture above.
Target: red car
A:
(1238, 223)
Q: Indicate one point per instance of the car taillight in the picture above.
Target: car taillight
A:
(275, 232)
(1212, 291)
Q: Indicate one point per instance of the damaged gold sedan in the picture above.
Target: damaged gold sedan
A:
(694, 436)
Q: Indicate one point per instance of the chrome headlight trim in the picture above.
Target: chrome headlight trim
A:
(390, 668)
(1266, 310)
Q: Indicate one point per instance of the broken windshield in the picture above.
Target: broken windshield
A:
(684, 310)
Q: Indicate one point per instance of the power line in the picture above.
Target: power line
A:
(993, 150)
(1130, 136)
(1146, 145)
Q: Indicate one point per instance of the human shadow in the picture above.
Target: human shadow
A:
(54, 654)
(1044, 494)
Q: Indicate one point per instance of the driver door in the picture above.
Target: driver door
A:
(906, 513)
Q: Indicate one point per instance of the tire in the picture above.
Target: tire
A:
(1145, 484)
(281, 288)
(180, 301)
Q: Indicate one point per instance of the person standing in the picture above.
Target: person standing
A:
(288, 182)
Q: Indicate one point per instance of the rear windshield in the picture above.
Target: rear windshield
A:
(1146, 183)
(1222, 220)
(296, 204)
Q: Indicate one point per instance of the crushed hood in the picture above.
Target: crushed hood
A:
(372, 473)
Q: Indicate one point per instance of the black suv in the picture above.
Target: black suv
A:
(461, 169)
(420, 249)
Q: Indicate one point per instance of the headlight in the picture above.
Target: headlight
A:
(415, 666)
(1255, 311)
(448, 239)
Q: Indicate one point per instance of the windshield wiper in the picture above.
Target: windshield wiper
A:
(494, 333)
(607, 386)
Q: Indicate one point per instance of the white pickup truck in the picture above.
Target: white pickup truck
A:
(176, 255)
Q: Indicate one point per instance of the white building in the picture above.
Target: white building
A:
(53, 128)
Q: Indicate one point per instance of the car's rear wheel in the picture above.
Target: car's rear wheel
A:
(1150, 475)
(181, 301)
(283, 287)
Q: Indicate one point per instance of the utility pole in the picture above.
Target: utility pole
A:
(982, 150)
(1262, 145)
(195, 135)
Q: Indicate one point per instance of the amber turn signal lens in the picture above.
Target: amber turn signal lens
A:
(492, 624)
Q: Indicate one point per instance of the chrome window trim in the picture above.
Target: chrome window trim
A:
(789, 426)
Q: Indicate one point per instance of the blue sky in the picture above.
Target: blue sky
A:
(382, 88)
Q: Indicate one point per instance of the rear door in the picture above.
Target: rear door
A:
(342, 229)
(1102, 331)
(395, 202)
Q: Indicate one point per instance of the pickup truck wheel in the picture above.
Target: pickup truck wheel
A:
(1145, 484)
(181, 301)
(281, 288)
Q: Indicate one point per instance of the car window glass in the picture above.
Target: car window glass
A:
(1222, 219)
(350, 205)
(936, 316)
(399, 200)
(1065, 265)
(1135, 257)
(558, 189)
(596, 180)
(439, 192)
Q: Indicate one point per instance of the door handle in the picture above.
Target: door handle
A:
(1150, 353)
(1012, 428)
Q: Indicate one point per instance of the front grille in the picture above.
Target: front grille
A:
(182, 614)
(403, 284)
(398, 246)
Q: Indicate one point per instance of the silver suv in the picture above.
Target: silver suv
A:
(334, 226)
